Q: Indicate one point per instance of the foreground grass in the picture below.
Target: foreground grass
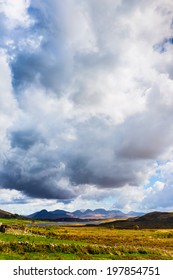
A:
(78, 242)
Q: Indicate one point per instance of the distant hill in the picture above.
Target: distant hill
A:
(153, 220)
(80, 214)
(8, 215)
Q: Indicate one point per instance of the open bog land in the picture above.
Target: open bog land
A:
(23, 240)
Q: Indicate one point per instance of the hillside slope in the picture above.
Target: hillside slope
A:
(7, 215)
(153, 220)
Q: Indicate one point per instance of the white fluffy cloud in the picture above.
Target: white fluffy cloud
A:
(15, 12)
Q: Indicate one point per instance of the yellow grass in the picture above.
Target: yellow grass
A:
(84, 242)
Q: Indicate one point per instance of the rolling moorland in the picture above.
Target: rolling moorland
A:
(144, 237)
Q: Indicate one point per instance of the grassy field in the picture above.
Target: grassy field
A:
(82, 242)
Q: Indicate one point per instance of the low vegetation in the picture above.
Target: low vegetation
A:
(28, 241)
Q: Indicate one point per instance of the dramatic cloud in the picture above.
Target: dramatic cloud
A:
(86, 100)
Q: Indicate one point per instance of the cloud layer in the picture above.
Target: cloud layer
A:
(86, 97)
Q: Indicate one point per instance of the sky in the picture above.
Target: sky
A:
(86, 105)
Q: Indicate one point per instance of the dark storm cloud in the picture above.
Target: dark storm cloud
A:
(38, 182)
(91, 158)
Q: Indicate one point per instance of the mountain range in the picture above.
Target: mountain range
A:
(131, 220)
(82, 214)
